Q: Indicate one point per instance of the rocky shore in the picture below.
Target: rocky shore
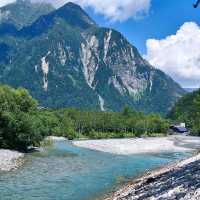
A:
(180, 181)
(10, 160)
(142, 145)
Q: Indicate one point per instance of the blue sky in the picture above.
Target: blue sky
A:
(166, 32)
(164, 18)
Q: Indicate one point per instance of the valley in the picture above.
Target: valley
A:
(87, 115)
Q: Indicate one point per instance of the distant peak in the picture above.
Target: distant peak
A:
(75, 14)
(71, 4)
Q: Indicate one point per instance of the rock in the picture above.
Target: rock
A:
(10, 160)
(180, 181)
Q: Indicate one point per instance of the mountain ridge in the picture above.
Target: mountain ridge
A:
(74, 62)
(23, 12)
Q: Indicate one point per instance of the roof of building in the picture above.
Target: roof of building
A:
(179, 129)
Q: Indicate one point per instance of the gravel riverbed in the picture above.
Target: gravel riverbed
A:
(142, 145)
(179, 181)
(10, 160)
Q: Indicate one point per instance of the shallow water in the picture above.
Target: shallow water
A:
(66, 172)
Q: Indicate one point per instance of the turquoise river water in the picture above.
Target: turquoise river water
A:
(66, 172)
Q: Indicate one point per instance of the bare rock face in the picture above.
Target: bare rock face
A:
(65, 59)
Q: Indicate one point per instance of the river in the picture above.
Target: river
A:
(65, 172)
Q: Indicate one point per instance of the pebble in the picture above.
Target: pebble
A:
(10, 160)
(179, 181)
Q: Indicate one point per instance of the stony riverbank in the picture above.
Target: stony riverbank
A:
(10, 160)
(143, 145)
(180, 181)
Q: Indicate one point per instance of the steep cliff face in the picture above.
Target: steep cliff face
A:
(65, 59)
(114, 69)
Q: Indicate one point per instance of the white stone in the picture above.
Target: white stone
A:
(62, 54)
(107, 43)
(101, 101)
(89, 51)
(36, 68)
(9, 160)
(143, 145)
(55, 138)
(117, 85)
(45, 69)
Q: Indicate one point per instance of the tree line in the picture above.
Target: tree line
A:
(23, 124)
(187, 110)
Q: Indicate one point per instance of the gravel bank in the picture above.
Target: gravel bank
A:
(10, 160)
(55, 138)
(142, 145)
(180, 181)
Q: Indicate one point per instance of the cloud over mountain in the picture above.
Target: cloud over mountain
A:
(178, 55)
(113, 10)
(117, 10)
(5, 2)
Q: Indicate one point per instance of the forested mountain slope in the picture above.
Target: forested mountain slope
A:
(65, 59)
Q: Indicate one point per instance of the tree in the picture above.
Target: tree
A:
(16, 124)
(126, 111)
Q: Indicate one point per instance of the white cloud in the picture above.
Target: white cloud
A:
(178, 55)
(118, 10)
(5, 2)
(114, 10)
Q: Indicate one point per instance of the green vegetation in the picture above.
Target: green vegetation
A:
(46, 142)
(187, 109)
(18, 119)
(23, 125)
(114, 125)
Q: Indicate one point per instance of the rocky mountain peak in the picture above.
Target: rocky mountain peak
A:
(75, 15)
(65, 59)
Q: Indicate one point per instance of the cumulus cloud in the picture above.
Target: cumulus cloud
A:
(5, 2)
(178, 55)
(114, 10)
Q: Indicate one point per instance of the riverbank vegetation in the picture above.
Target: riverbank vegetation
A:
(187, 110)
(23, 124)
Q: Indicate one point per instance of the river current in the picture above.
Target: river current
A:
(65, 172)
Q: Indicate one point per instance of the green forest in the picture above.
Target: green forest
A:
(23, 124)
(187, 109)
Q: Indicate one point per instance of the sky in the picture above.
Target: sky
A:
(166, 32)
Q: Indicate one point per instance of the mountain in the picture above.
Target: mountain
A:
(23, 13)
(190, 89)
(65, 59)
